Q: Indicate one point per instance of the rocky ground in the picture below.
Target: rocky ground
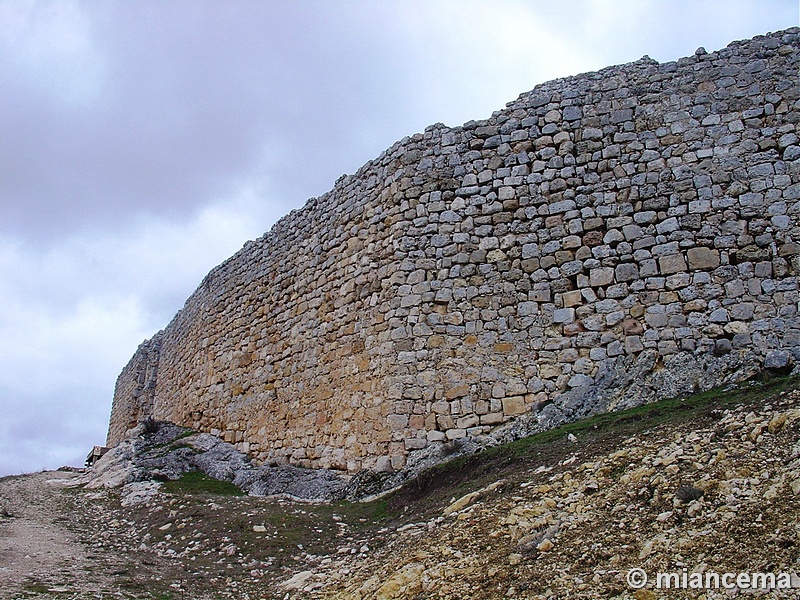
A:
(38, 552)
(710, 484)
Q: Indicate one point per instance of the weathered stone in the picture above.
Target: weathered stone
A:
(545, 545)
(672, 263)
(564, 315)
(776, 359)
(514, 405)
(626, 272)
(572, 298)
(601, 276)
(633, 343)
(718, 316)
(791, 153)
(702, 258)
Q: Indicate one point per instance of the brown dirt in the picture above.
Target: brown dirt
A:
(604, 503)
(38, 554)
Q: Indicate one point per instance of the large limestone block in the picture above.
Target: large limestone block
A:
(702, 258)
(672, 263)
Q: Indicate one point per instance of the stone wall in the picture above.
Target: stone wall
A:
(604, 240)
(135, 389)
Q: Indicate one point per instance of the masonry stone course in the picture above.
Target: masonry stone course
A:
(600, 232)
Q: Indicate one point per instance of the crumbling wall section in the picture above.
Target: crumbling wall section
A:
(134, 393)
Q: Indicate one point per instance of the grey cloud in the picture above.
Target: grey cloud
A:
(35, 433)
(184, 98)
(187, 101)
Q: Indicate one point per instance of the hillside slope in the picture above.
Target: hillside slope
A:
(707, 483)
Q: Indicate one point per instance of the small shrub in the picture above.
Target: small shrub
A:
(451, 447)
(688, 493)
(150, 425)
(36, 588)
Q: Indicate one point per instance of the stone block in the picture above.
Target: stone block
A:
(667, 347)
(456, 392)
(742, 312)
(549, 371)
(467, 421)
(445, 422)
(719, 315)
(435, 436)
(633, 343)
(734, 289)
(702, 258)
(613, 236)
(648, 267)
(671, 263)
(494, 418)
(645, 217)
(777, 359)
(506, 193)
(572, 298)
(531, 251)
(513, 405)
(791, 153)
(632, 327)
(592, 238)
(626, 272)
(601, 276)
(615, 348)
(441, 407)
(656, 320)
(632, 232)
(564, 315)
(668, 226)
(592, 133)
(572, 113)
(736, 327)
(415, 443)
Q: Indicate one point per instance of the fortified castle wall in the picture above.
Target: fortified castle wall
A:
(605, 240)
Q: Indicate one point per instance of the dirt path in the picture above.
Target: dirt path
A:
(37, 553)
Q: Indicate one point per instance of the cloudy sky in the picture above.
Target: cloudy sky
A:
(142, 143)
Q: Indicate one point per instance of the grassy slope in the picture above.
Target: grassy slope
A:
(216, 537)
(424, 496)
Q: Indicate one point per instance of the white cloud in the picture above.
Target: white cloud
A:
(51, 45)
(74, 314)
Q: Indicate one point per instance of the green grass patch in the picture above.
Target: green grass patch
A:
(34, 587)
(364, 514)
(425, 493)
(639, 418)
(197, 483)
